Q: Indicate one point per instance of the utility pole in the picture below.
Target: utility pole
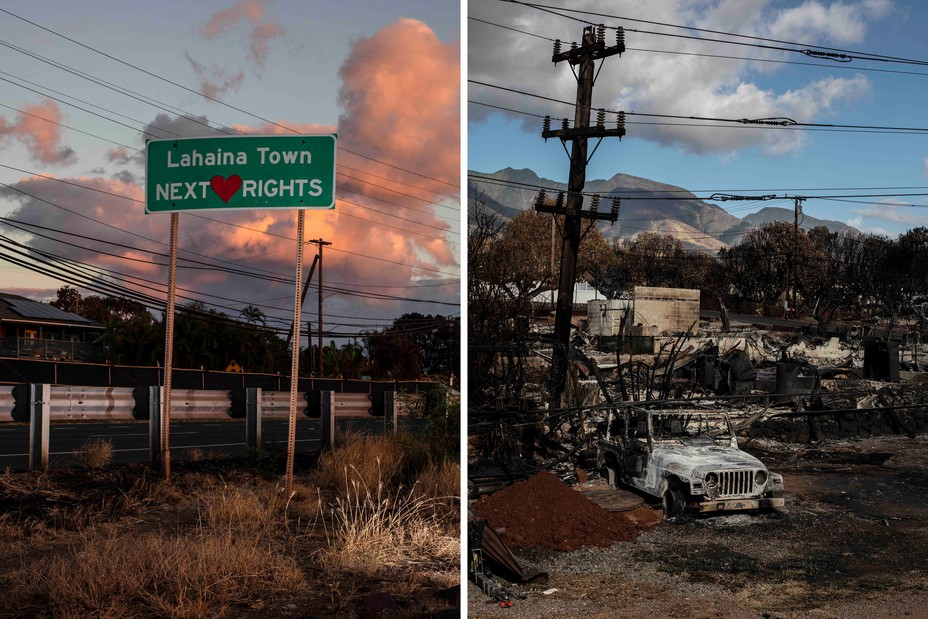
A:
(797, 210)
(592, 48)
(320, 243)
(303, 295)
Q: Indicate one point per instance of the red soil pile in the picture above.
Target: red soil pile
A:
(543, 512)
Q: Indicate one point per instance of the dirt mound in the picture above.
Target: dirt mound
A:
(543, 512)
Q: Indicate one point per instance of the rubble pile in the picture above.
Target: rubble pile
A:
(543, 512)
(881, 410)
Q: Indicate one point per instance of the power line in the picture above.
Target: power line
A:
(481, 177)
(92, 281)
(772, 123)
(52, 178)
(715, 126)
(54, 122)
(839, 54)
(206, 96)
(408, 195)
(279, 280)
(207, 125)
(719, 56)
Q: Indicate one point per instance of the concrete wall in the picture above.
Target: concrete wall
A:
(605, 317)
(669, 309)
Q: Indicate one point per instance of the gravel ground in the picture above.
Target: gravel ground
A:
(852, 542)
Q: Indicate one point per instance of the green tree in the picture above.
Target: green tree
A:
(438, 339)
(69, 300)
(394, 357)
(253, 315)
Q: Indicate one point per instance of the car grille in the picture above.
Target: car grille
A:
(736, 483)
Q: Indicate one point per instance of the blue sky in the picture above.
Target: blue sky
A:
(311, 65)
(700, 158)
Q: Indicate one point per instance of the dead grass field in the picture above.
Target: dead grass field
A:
(371, 529)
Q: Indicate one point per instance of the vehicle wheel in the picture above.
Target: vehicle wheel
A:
(672, 502)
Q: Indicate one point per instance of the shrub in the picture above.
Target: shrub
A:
(96, 453)
(372, 535)
(358, 460)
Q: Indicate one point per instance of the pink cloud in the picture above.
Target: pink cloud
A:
(35, 127)
(401, 106)
(262, 30)
(401, 95)
(214, 80)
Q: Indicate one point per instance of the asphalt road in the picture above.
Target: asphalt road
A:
(130, 439)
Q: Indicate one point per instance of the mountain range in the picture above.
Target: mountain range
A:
(663, 208)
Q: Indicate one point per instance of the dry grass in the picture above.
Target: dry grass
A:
(95, 453)
(243, 510)
(198, 574)
(118, 542)
(440, 483)
(359, 460)
(373, 533)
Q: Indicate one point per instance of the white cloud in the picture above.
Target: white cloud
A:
(895, 213)
(672, 83)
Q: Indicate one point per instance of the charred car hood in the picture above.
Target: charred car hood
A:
(687, 458)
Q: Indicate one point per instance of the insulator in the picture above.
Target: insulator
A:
(620, 122)
(540, 200)
(557, 47)
(546, 126)
(620, 36)
(601, 34)
(564, 124)
(573, 45)
(594, 204)
(601, 118)
(616, 204)
(559, 203)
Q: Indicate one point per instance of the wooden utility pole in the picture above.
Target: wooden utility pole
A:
(797, 209)
(320, 243)
(303, 294)
(592, 49)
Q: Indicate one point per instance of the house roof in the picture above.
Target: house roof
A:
(14, 308)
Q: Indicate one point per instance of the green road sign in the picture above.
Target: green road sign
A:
(252, 171)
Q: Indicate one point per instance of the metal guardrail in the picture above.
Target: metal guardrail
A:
(119, 403)
(200, 404)
(276, 404)
(352, 405)
(73, 402)
(42, 404)
(7, 403)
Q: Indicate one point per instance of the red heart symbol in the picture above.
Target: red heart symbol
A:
(225, 188)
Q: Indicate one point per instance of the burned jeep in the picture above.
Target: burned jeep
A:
(687, 458)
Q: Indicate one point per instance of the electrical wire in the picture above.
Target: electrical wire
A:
(765, 123)
(839, 54)
(719, 56)
(214, 99)
(219, 221)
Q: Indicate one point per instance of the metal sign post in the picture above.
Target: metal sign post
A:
(169, 353)
(236, 172)
(295, 353)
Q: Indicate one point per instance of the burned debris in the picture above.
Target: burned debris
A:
(669, 411)
(776, 379)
